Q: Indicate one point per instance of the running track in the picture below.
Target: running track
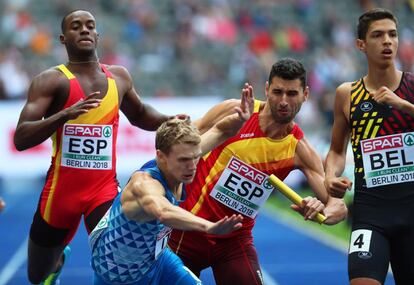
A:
(289, 255)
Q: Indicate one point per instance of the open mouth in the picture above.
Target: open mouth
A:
(387, 52)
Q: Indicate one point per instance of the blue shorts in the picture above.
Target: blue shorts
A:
(168, 269)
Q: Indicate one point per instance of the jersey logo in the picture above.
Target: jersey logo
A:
(366, 106)
(249, 135)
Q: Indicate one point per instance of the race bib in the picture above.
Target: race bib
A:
(242, 188)
(87, 146)
(162, 240)
(388, 160)
(103, 224)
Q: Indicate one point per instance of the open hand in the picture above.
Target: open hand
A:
(83, 106)
(247, 102)
(226, 225)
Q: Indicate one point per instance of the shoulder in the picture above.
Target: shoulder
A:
(50, 79)
(344, 89)
(119, 71)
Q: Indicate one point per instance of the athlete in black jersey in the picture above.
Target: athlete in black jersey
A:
(377, 114)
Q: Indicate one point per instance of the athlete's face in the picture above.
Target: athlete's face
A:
(182, 161)
(80, 35)
(285, 98)
(381, 42)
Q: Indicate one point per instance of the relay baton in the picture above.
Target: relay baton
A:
(292, 195)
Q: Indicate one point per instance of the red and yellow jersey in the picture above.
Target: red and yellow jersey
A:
(82, 173)
(251, 146)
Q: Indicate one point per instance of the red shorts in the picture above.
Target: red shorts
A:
(233, 260)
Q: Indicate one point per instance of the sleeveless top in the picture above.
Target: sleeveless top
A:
(84, 149)
(382, 139)
(252, 147)
(126, 249)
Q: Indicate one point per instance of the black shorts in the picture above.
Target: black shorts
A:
(382, 234)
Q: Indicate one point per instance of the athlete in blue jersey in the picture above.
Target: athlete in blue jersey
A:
(129, 243)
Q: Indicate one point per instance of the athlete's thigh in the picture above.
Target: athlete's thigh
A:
(402, 257)
(44, 234)
(171, 270)
(193, 248)
(369, 254)
(237, 263)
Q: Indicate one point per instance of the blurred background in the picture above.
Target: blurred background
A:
(185, 56)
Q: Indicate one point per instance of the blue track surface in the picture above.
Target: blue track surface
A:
(288, 256)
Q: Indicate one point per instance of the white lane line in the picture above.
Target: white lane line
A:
(14, 263)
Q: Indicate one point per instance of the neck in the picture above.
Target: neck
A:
(83, 62)
(378, 77)
(271, 128)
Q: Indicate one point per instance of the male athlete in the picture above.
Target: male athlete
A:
(377, 113)
(76, 104)
(129, 244)
(233, 179)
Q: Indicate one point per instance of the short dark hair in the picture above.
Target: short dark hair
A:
(62, 24)
(288, 69)
(370, 16)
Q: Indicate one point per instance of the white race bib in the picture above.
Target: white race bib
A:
(87, 146)
(242, 188)
(388, 160)
(162, 240)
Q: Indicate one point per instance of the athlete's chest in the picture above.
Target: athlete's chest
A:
(97, 82)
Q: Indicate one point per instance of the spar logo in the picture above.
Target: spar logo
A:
(247, 171)
(87, 131)
(383, 143)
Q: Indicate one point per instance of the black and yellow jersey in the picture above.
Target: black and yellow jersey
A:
(381, 139)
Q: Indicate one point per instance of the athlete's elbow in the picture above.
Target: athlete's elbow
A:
(19, 144)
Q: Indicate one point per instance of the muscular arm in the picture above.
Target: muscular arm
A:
(223, 109)
(229, 125)
(336, 158)
(144, 200)
(138, 113)
(309, 162)
(34, 127)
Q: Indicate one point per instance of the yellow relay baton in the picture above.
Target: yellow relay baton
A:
(292, 195)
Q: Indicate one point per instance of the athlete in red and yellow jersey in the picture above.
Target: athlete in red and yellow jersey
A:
(77, 105)
(233, 179)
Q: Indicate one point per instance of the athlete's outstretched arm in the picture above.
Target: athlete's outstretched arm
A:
(229, 125)
(221, 110)
(38, 121)
(143, 200)
(336, 158)
(138, 113)
(309, 162)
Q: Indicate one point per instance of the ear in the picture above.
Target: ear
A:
(306, 93)
(62, 39)
(360, 44)
(160, 155)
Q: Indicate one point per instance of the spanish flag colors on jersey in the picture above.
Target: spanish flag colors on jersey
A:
(82, 173)
(250, 145)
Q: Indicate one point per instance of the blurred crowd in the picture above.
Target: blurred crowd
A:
(201, 47)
